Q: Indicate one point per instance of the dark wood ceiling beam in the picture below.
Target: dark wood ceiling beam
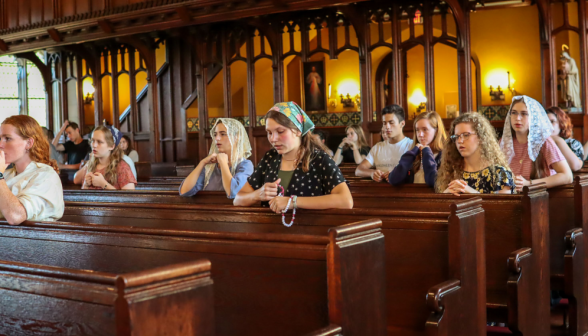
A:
(106, 26)
(213, 11)
(55, 35)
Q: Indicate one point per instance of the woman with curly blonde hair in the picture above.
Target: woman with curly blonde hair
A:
(31, 189)
(106, 168)
(472, 161)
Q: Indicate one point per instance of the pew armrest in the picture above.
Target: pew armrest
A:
(515, 258)
(571, 237)
(436, 293)
(331, 330)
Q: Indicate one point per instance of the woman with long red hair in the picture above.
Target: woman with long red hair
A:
(31, 188)
(562, 135)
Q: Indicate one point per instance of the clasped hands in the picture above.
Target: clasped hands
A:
(95, 179)
(221, 158)
(269, 192)
(457, 187)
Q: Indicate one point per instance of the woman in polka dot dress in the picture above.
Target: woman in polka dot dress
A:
(297, 163)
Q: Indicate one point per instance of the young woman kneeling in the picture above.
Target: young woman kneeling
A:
(529, 148)
(472, 162)
(226, 167)
(297, 164)
(106, 168)
(31, 189)
(420, 164)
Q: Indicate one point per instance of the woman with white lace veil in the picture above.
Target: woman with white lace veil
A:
(530, 151)
(226, 167)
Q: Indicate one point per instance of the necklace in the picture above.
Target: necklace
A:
(286, 209)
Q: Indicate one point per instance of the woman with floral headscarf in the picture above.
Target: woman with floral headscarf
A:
(297, 165)
(226, 167)
(106, 168)
(527, 144)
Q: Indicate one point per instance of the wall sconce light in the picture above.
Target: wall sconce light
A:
(348, 101)
(421, 108)
(496, 94)
(511, 85)
(88, 90)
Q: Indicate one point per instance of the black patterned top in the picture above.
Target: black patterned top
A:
(576, 147)
(487, 182)
(321, 178)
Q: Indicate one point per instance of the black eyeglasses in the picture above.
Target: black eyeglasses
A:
(465, 136)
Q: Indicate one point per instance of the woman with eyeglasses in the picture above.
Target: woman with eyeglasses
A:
(472, 162)
(527, 144)
(420, 164)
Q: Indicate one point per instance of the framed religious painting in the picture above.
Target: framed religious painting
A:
(315, 95)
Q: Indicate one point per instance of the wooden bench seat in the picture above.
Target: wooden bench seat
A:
(265, 284)
(418, 249)
(57, 288)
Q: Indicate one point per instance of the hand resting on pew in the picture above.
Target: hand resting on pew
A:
(31, 189)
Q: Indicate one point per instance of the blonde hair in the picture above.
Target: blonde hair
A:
(361, 141)
(452, 163)
(440, 135)
(116, 156)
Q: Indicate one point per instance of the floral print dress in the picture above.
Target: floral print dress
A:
(490, 180)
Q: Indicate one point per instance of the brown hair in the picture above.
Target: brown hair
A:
(116, 156)
(452, 162)
(308, 143)
(440, 135)
(565, 124)
(360, 135)
(28, 128)
(129, 145)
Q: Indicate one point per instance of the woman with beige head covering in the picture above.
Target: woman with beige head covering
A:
(226, 167)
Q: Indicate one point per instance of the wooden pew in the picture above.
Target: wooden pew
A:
(422, 251)
(265, 284)
(46, 290)
(498, 208)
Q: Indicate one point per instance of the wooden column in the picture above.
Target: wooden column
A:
(64, 96)
(98, 103)
(549, 84)
(461, 13)
(429, 57)
(22, 86)
(226, 74)
(133, 92)
(396, 59)
(114, 84)
(583, 65)
(201, 76)
(80, 90)
(251, 88)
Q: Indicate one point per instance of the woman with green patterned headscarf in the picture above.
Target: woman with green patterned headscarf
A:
(297, 164)
(226, 167)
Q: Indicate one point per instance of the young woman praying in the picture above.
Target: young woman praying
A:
(420, 164)
(529, 149)
(106, 168)
(353, 148)
(226, 167)
(472, 161)
(31, 189)
(297, 164)
(571, 148)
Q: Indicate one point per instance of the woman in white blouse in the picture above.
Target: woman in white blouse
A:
(31, 189)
